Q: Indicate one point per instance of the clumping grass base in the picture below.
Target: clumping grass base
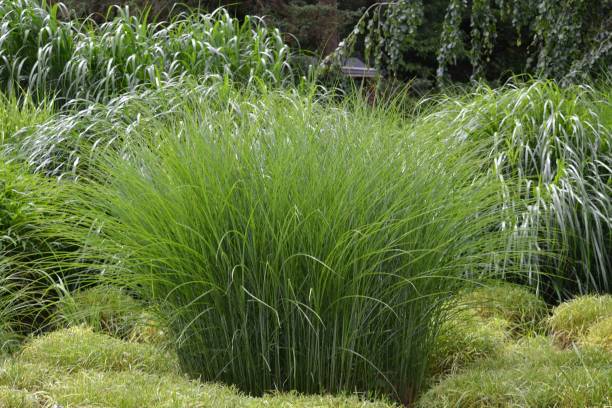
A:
(292, 245)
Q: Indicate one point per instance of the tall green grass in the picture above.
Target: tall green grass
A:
(71, 143)
(292, 244)
(70, 60)
(26, 253)
(17, 114)
(30, 256)
(558, 143)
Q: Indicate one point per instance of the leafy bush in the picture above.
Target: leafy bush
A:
(572, 320)
(532, 373)
(292, 245)
(557, 142)
(71, 60)
(518, 305)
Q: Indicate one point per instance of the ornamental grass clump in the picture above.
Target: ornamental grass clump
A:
(68, 145)
(49, 57)
(558, 143)
(30, 260)
(292, 244)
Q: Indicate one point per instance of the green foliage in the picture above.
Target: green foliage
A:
(566, 40)
(572, 320)
(70, 60)
(600, 334)
(81, 348)
(20, 193)
(532, 373)
(71, 143)
(16, 115)
(517, 305)
(270, 280)
(77, 367)
(481, 323)
(557, 142)
(465, 338)
(105, 309)
(28, 265)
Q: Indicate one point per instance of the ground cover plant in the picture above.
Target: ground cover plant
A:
(571, 322)
(531, 372)
(78, 366)
(49, 57)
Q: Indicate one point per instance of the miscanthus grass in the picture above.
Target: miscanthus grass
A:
(291, 244)
(49, 57)
(557, 142)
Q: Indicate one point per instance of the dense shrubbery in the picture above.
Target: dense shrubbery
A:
(74, 60)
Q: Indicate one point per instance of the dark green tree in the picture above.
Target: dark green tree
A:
(490, 39)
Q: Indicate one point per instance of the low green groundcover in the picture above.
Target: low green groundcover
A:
(77, 367)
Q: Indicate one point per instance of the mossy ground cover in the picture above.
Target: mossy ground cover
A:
(489, 364)
(78, 367)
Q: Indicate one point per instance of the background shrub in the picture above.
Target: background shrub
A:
(29, 265)
(15, 115)
(70, 144)
(103, 308)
